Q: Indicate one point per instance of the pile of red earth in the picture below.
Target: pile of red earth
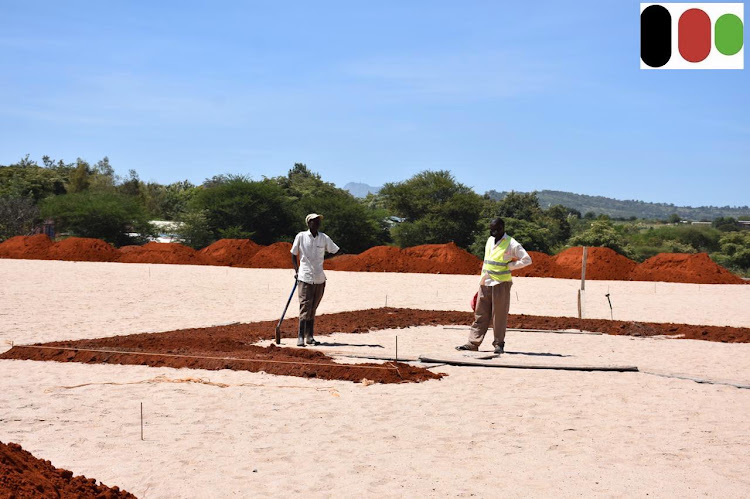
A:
(602, 263)
(606, 264)
(232, 252)
(23, 475)
(427, 259)
(673, 267)
(174, 253)
(27, 247)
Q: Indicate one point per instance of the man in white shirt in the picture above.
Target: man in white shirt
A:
(502, 254)
(308, 251)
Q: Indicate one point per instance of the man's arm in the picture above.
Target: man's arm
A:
(295, 251)
(521, 258)
(296, 265)
(331, 247)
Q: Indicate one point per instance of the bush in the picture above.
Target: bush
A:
(434, 208)
(530, 235)
(195, 230)
(18, 216)
(601, 233)
(104, 216)
(239, 207)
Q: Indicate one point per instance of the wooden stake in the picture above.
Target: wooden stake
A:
(582, 291)
(583, 268)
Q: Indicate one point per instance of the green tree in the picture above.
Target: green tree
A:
(736, 247)
(532, 236)
(601, 233)
(79, 178)
(30, 181)
(18, 216)
(674, 218)
(195, 229)
(107, 216)
(102, 176)
(725, 224)
(434, 208)
(353, 224)
(519, 205)
(131, 185)
(243, 208)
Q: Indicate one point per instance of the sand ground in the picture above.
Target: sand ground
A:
(478, 431)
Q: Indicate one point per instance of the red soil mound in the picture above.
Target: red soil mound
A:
(601, 264)
(232, 252)
(428, 258)
(679, 267)
(377, 259)
(174, 253)
(541, 266)
(275, 256)
(26, 247)
(23, 475)
(83, 249)
(446, 258)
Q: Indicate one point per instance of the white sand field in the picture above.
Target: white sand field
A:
(487, 432)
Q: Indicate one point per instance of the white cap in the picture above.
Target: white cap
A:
(311, 216)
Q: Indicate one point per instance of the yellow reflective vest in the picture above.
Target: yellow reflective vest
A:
(495, 263)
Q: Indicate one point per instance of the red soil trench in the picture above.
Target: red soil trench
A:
(231, 346)
(22, 475)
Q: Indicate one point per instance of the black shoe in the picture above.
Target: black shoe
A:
(469, 347)
(500, 349)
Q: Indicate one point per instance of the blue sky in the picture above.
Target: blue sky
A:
(506, 95)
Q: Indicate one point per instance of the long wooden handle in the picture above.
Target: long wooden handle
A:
(278, 326)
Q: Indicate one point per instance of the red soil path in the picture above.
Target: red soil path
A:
(602, 263)
(231, 346)
(22, 475)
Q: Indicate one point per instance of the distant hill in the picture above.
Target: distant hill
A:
(359, 190)
(617, 208)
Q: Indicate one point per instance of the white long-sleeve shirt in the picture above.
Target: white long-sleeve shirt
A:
(515, 250)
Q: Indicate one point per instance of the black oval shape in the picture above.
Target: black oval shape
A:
(656, 36)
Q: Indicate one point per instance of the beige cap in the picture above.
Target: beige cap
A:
(311, 216)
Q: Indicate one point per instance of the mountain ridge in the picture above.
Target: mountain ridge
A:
(601, 205)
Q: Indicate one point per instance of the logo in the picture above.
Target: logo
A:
(692, 36)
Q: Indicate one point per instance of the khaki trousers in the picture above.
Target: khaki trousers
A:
(493, 304)
(310, 296)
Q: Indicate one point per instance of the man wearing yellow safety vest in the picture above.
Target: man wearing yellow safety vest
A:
(502, 254)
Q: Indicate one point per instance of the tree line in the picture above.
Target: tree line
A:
(91, 200)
